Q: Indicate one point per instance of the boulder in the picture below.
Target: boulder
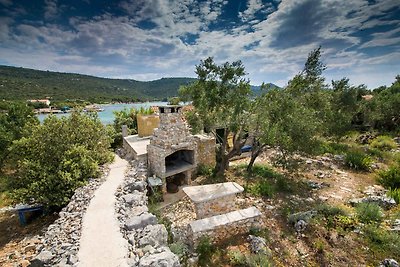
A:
(141, 221)
(45, 256)
(154, 235)
(258, 245)
(300, 226)
(139, 186)
(163, 259)
(305, 216)
(389, 263)
(134, 199)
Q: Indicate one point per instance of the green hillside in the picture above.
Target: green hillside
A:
(23, 84)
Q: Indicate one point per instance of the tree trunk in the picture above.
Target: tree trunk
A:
(256, 151)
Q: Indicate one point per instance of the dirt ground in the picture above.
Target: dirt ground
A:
(17, 243)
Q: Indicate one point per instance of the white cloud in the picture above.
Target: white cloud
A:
(50, 9)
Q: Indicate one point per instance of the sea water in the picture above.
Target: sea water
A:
(107, 116)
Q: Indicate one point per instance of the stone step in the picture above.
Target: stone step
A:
(223, 226)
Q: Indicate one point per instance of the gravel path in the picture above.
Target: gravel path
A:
(102, 243)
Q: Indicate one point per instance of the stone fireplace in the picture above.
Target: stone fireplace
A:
(172, 152)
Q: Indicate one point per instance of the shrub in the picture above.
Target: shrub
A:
(330, 211)
(204, 170)
(333, 148)
(390, 178)
(205, 249)
(236, 258)
(369, 213)
(258, 260)
(395, 194)
(264, 171)
(57, 157)
(358, 160)
(382, 240)
(383, 142)
(262, 188)
(345, 222)
(181, 250)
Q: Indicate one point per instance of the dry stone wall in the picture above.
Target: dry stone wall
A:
(215, 207)
(205, 150)
(147, 239)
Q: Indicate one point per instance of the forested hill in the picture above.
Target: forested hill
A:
(23, 84)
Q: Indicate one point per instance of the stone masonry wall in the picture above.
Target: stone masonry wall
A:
(205, 150)
(215, 207)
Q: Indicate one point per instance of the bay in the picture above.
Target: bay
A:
(107, 116)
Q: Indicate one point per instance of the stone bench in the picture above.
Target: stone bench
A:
(213, 199)
(223, 226)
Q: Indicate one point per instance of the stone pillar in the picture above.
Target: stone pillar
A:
(124, 131)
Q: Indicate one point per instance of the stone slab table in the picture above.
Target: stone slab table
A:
(213, 199)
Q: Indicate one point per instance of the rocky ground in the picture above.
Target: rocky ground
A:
(301, 242)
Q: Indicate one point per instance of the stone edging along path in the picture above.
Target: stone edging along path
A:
(147, 240)
(60, 243)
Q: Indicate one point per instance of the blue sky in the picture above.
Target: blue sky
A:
(150, 39)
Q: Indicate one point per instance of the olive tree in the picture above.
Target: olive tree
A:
(221, 100)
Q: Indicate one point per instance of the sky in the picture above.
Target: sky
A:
(151, 39)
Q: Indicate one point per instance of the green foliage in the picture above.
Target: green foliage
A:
(204, 170)
(382, 241)
(390, 178)
(174, 101)
(127, 117)
(383, 142)
(395, 194)
(193, 119)
(330, 211)
(283, 122)
(23, 84)
(258, 260)
(264, 171)
(261, 188)
(205, 249)
(262, 232)
(221, 100)
(334, 148)
(181, 250)
(13, 118)
(358, 160)
(345, 222)
(55, 158)
(382, 112)
(236, 258)
(369, 213)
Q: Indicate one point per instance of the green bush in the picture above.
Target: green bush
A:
(181, 250)
(57, 157)
(395, 194)
(383, 142)
(262, 188)
(264, 171)
(236, 258)
(358, 160)
(204, 170)
(258, 260)
(369, 213)
(330, 211)
(333, 148)
(387, 242)
(205, 249)
(345, 222)
(390, 178)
